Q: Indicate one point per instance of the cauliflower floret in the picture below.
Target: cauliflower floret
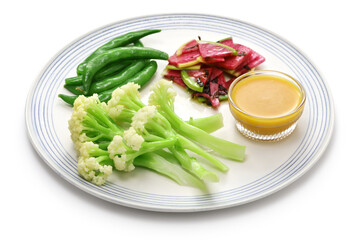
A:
(133, 139)
(117, 150)
(142, 117)
(117, 146)
(121, 163)
(121, 95)
(81, 104)
(158, 89)
(89, 168)
(114, 111)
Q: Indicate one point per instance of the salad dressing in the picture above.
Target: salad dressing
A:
(266, 96)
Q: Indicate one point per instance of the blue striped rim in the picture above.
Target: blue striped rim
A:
(44, 95)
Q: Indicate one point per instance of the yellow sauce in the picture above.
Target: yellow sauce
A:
(266, 96)
(266, 104)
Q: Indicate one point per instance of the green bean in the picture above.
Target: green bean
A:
(110, 82)
(120, 41)
(123, 53)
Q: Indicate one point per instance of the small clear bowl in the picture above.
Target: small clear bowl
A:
(268, 129)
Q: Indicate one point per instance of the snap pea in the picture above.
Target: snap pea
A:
(144, 76)
(141, 78)
(107, 71)
(73, 80)
(138, 43)
(68, 99)
(190, 83)
(123, 53)
(110, 82)
(120, 41)
(103, 97)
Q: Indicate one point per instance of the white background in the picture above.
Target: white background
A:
(36, 203)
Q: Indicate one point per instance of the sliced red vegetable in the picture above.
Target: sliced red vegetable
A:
(222, 81)
(217, 64)
(228, 41)
(215, 50)
(179, 81)
(215, 102)
(201, 75)
(191, 46)
(215, 72)
(214, 89)
(233, 62)
(184, 60)
(175, 76)
(211, 60)
(255, 60)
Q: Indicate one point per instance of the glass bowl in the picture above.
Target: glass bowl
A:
(266, 128)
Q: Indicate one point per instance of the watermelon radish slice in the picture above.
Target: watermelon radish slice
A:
(214, 89)
(215, 72)
(228, 42)
(214, 50)
(255, 60)
(179, 81)
(185, 60)
(191, 46)
(222, 81)
(194, 67)
(233, 62)
(201, 76)
(175, 76)
(211, 60)
(169, 73)
(215, 102)
(207, 69)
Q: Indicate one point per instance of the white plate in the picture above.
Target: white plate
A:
(268, 167)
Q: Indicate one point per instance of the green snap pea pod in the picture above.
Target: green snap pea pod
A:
(110, 82)
(123, 53)
(138, 43)
(143, 77)
(75, 89)
(107, 71)
(68, 99)
(103, 97)
(190, 83)
(73, 80)
(120, 41)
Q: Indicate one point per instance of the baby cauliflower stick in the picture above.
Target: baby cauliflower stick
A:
(126, 133)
